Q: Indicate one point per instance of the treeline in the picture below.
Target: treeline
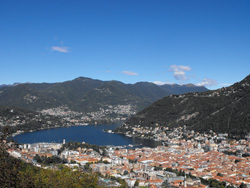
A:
(49, 160)
(72, 145)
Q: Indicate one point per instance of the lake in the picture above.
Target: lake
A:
(92, 134)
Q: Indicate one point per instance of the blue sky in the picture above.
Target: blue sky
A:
(204, 42)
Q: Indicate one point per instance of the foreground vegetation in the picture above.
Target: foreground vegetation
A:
(16, 173)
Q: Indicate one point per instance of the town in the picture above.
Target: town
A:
(105, 114)
(185, 159)
(19, 120)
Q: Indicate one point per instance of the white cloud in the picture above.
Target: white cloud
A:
(60, 49)
(162, 83)
(180, 75)
(130, 73)
(207, 82)
(176, 68)
(179, 71)
(158, 83)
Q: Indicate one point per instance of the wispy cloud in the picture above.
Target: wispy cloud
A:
(162, 83)
(158, 83)
(130, 73)
(179, 71)
(225, 84)
(207, 82)
(62, 49)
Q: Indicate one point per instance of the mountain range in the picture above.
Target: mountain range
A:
(9, 85)
(88, 95)
(226, 110)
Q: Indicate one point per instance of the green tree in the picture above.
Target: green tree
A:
(242, 185)
(219, 174)
(9, 166)
(136, 183)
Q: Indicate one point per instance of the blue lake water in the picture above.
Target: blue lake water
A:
(92, 134)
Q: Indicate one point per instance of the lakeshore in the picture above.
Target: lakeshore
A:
(93, 134)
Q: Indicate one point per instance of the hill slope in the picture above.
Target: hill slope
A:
(222, 110)
(26, 120)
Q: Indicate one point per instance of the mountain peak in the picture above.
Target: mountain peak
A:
(82, 78)
(190, 85)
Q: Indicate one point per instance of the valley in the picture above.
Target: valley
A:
(79, 101)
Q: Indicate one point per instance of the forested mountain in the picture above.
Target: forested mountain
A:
(223, 110)
(47, 95)
(85, 95)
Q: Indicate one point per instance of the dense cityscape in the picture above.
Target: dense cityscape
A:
(187, 159)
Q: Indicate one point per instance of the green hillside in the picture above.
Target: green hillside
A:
(222, 110)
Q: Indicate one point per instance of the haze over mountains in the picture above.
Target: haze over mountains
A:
(223, 110)
(89, 95)
(9, 85)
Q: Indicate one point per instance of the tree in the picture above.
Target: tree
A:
(242, 185)
(237, 160)
(86, 166)
(136, 183)
(219, 174)
(157, 168)
(125, 172)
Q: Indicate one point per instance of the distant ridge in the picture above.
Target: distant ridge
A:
(223, 110)
(9, 85)
(181, 89)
